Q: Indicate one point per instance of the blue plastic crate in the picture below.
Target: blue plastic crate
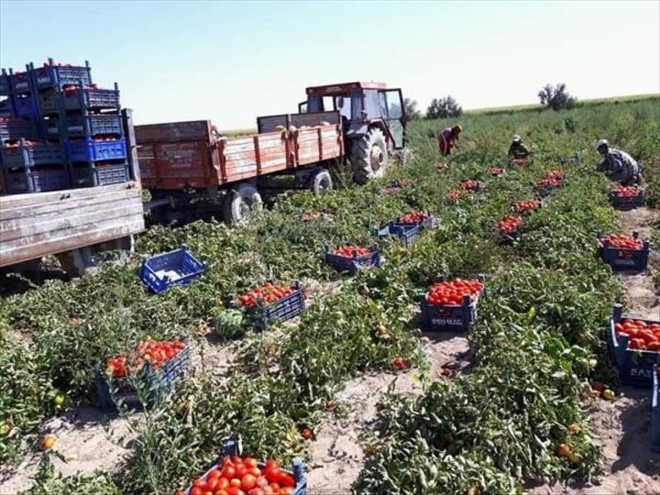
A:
(446, 318)
(92, 125)
(50, 102)
(25, 106)
(6, 109)
(655, 411)
(83, 99)
(158, 383)
(89, 150)
(100, 174)
(58, 76)
(15, 129)
(624, 259)
(406, 232)
(355, 263)
(33, 156)
(627, 203)
(635, 366)
(281, 310)
(34, 180)
(21, 82)
(5, 83)
(177, 267)
(229, 449)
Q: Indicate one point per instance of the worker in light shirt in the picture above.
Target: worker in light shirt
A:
(618, 165)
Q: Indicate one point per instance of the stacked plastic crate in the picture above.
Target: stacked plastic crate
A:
(86, 120)
(63, 130)
(28, 162)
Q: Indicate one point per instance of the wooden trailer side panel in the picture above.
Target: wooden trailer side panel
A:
(37, 225)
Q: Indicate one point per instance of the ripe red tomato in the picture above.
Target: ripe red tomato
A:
(229, 472)
(195, 490)
(248, 482)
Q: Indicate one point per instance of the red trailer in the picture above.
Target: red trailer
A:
(184, 160)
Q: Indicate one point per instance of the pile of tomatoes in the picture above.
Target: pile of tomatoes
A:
(413, 218)
(622, 241)
(509, 224)
(521, 206)
(554, 174)
(641, 335)
(148, 351)
(454, 195)
(626, 192)
(470, 185)
(243, 476)
(553, 182)
(451, 293)
(351, 251)
(17, 144)
(269, 293)
(495, 171)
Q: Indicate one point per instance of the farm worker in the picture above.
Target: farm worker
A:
(517, 148)
(447, 137)
(618, 165)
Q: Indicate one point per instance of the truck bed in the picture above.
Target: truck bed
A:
(176, 155)
(37, 225)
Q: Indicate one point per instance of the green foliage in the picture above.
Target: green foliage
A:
(557, 98)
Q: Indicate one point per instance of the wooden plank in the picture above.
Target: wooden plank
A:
(174, 132)
(22, 200)
(15, 252)
(68, 218)
(68, 204)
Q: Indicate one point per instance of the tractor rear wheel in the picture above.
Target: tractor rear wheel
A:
(321, 183)
(369, 156)
(240, 202)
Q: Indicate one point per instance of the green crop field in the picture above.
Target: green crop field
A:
(491, 427)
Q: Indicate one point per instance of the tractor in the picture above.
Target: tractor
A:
(373, 121)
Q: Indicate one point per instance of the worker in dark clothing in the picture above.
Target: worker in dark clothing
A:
(618, 165)
(517, 148)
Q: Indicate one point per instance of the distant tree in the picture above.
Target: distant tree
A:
(412, 113)
(557, 98)
(442, 108)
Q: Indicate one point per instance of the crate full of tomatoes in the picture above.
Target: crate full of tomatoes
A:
(471, 185)
(655, 410)
(495, 171)
(408, 226)
(627, 198)
(624, 252)
(235, 475)
(272, 302)
(553, 179)
(526, 206)
(147, 372)
(450, 305)
(635, 345)
(508, 228)
(352, 258)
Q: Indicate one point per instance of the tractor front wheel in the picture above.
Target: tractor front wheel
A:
(369, 156)
(241, 202)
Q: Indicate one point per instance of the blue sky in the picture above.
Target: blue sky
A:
(232, 61)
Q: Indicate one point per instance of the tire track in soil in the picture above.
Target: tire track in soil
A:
(623, 426)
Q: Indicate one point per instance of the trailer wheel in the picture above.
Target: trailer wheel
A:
(369, 156)
(240, 203)
(321, 183)
(84, 260)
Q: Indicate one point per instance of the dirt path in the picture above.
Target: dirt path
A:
(336, 453)
(623, 426)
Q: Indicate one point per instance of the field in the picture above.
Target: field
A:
(352, 386)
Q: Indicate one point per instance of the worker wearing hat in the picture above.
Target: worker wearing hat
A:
(447, 137)
(618, 165)
(517, 148)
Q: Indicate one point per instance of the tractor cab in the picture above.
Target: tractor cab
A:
(362, 105)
